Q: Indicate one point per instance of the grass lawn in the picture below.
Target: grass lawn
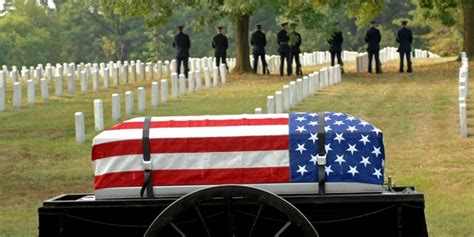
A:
(418, 113)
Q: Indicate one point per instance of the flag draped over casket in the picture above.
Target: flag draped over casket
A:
(277, 152)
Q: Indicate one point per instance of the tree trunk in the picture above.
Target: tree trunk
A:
(468, 15)
(242, 43)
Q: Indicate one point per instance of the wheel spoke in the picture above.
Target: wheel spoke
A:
(175, 227)
(283, 229)
(202, 221)
(230, 217)
(256, 219)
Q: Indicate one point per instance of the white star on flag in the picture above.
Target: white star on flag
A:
(339, 137)
(377, 173)
(364, 123)
(353, 170)
(364, 139)
(327, 147)
(350, 118)
(313, 123)
(313, 114)
(340, 159)
(313, 137)
(327, 128)
(376, 151)
(365, 161)
(300, 119)
(327, 118)
(302, 169)
(314, 159)
(337, 114)
(339, 123)
(300, 129)
(300, 148)
(352, 148)
(351, 128)
(376, 130)
(328, 170)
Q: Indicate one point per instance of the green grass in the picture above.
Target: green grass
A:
(417, 112)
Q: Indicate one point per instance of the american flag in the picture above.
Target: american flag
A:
(238, 149)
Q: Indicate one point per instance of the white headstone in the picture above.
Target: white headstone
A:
(258, 110)
(2, 98)
(116, 75)
(155, 94)
(116, 107)
(106, 77)
(270, 105)
(293, 96)
(197, 78)
(286, 98)
(207, 74)
(70, 83)
(16, 94)
(174, 85)
(299, 90)
(31, 91)
(463, 119)
(44, 89)
(182, 84)
(133, 72)
(141, 99)
(58, 85)
(84, 81)
(98, 115)
(80, 128)
(128, 102)
(305, 86)
(278, 102)
(164, 91)
(215, 78)
(223, 71)
(125, 73)
(191, 81)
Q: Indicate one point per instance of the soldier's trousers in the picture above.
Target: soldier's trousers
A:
(339, 58)
(372, 54)
(408, 56)
(255, 62)
(184, 61)
(287, 57)
(296, 57)
(220, 59)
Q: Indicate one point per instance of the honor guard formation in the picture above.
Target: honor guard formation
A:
(289, 42)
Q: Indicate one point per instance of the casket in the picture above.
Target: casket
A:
(296, 153)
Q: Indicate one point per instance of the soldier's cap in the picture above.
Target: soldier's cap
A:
(219, 27)
(284, 24)
(258, 25)
(373, 22)
(404, 22)
(180, 26)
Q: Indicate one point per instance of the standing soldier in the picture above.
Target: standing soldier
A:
(220, 43)
(258, 40)
(284, 48)
(373, 38)
(182, 44)
(335, 48)
(295, 43)
(405, 38)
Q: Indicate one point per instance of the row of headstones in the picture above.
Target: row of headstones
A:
(119, 75)
(307, 59)
(463, 94)
(388, 54)
(297, 91)
(180, 86)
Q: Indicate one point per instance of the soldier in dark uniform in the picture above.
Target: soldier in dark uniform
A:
(258, 40)
(335, 48)
(284, 48)
(295, 43)
(405, 38)
(220, 43)
(182, 44)
(373, 38)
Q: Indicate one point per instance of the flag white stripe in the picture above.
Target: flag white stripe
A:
(208, 160)
(191, 132)
(210, 117)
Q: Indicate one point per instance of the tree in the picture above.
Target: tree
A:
(442, 9)
(239, 12)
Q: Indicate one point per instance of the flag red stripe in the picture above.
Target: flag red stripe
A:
(203, 123)
(190, 145)
(195, 177)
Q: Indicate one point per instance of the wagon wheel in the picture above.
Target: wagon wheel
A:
(194, 203)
